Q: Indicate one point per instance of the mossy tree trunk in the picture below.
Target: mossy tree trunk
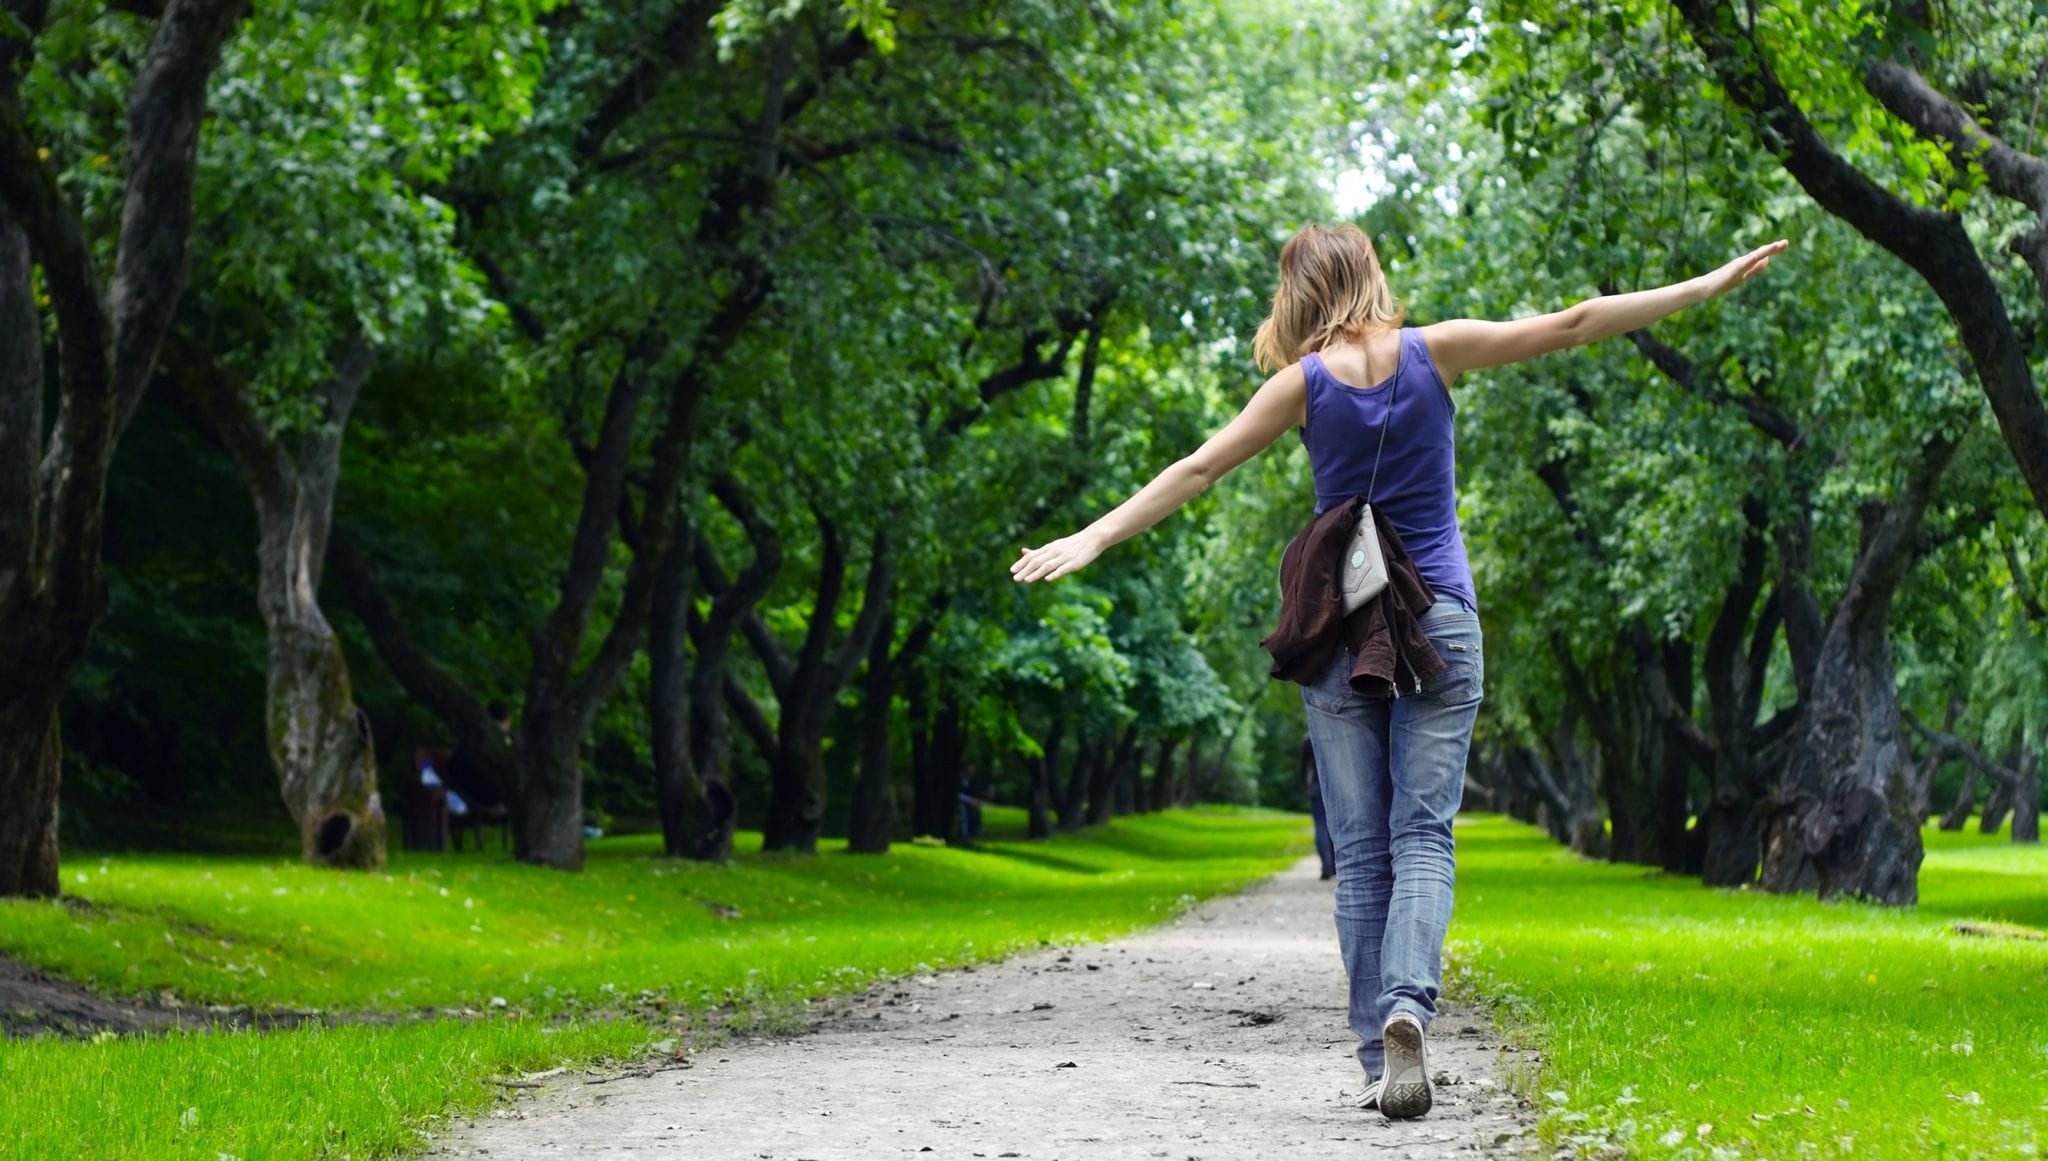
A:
(319, 739)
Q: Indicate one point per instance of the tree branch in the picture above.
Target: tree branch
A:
(678, 41)
(1948, 742)
(1687, 375)
(416, 671)
(751, 718)
(1935, 245)
(2018, 176)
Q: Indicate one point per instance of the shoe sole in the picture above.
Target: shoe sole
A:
(1406, 1094)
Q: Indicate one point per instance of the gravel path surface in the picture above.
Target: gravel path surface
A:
(1218, 1036)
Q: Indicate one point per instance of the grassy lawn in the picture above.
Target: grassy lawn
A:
(1682, 1022)
(571, 957)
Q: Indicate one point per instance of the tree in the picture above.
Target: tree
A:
(52, 586)
(277, 343)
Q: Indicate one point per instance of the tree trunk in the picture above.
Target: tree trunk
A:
(32, 678)
(796, 799)
(1158, 793)
(1843, 823)
(937, 798)
(2026, 798)
(1074, 798)
(547, 799)
(320, 742)
(807, 687)
(680, 793)
(53, 485)
(31, 758)
(1044, 770)
(1190, 775)
(1996, 806)
(874, 800)
(1966, 800)
(1102, 781)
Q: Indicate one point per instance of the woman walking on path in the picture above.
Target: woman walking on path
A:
(1371, 399)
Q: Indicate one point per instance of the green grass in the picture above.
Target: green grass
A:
(633, 933)
(1791, 1027)
(357, 1091)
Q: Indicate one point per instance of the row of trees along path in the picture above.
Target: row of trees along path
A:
(691, 371)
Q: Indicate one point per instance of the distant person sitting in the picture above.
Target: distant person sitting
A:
(482, 800)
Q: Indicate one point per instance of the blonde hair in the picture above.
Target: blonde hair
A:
(1331, 289)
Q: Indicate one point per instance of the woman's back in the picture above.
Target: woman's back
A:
(1416, 486)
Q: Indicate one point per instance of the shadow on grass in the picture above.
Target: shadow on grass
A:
(1042, 858)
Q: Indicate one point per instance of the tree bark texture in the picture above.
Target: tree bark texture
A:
(1845, 819)
(31, 759)
(1839, 824)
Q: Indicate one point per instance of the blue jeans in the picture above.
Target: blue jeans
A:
(1393, 773)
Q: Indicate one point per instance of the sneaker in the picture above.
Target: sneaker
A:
(1371, 1097)
(1404, 1092)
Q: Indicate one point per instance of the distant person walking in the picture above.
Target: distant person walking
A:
(1392, 687)
(1312, 788)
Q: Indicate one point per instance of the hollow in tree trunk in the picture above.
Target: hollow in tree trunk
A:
(320, 743)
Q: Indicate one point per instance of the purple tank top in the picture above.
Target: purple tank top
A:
(1417, 487)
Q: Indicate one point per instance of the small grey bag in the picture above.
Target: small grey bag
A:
(1364, 575)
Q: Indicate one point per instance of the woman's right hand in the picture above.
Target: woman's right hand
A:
(1741, 270)
(1057, 559)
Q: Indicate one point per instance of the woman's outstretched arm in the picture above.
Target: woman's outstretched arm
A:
(1277, 406)
(1461, 345)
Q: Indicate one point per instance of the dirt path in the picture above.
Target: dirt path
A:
(1218, 1036)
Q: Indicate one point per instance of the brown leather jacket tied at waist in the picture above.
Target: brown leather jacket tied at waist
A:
(1392, 654)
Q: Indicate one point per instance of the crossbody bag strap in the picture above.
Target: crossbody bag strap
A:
(1392, 386)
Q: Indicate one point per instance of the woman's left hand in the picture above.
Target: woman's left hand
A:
(1055, 560)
